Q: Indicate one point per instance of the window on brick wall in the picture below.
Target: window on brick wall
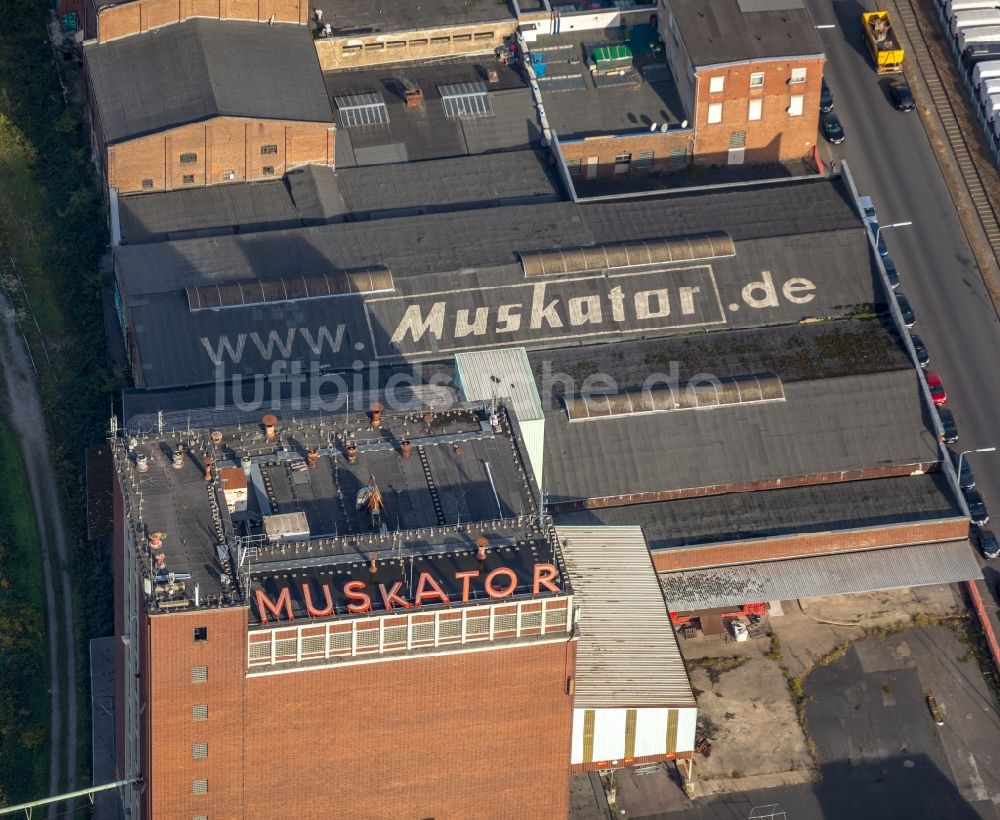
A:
(199, 674)
(199, 751)
(268, 149)
(714, 113)
(738, 139)
(622, 163)
(757, 79)
(200, 634)
(188, 159)
(644, 159)
(755, 110)
(188, 179)
(199, 786)
(795, 105)
(268, 170)
(716, 84)
(798, 76)
(200, 817)
(147, 184)
(573, 166)
(199, 712)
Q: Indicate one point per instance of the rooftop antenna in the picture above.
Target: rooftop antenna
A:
(189, 424)
(159, 423)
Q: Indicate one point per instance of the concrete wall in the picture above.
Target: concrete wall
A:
(125, 19)
(423, 44)
(813, 543)
(596, 155)
(777, 135)
(226, 149)
(457, 735)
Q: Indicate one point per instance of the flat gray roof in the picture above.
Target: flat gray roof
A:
(318, 194)
(728, 31)
(828, 425)
(580, 104)
(627, 654)
(198, 69)
(774, 513)
(841, 574)
(373, 17)
(413, 134)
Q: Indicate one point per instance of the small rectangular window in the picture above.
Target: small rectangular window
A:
(484, 35)
(396, 44)
(461, 38)
(200, 817)
(199, 751)
(738, 139)
(374, 46)
(268, 170)
(622, 163)
(716, 84)
(644, 160)
(199, 786)
(188, 179)
(714, 113)
(440, 41)
(147, 184)
(268, 149)
(199, 712)
(188, 159)
(418, 43)
(756, 109)
(200, 634)
(795, 105)
(199, 674)
(573, 166)
(798, 76)
(757, 79)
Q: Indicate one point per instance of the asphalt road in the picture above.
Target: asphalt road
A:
(891, 159)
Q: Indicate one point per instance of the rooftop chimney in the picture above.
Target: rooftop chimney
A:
(373, 564)
(270, 422)
(481, 544)
(208, 467)
(376, 408)
(215, 437)
(161, 560)
(246, 464)
(492, 76)
(177, 459)
(413, 97)
(155, 541)
(352, 452)
(312, 457)
(405, 448)
(142, 462)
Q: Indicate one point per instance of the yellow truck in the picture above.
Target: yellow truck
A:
(885, 48)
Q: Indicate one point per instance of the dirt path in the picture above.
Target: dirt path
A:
(28, 423)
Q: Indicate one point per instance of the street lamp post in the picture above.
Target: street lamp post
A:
(881, 228)
(964, 453)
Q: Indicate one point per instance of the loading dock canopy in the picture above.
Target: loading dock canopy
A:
(842, 574)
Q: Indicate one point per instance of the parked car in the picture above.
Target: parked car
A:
(909, 317)
(966, 478)
(900, 94)
(948, 425)
(938, 394)
(883, 249)
(977, 508)
(890, 272)
(833, 131)
(825, 99)
(923, 357)
(986, 542)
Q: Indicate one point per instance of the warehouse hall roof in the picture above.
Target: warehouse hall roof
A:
(201, 68)
(627, 653)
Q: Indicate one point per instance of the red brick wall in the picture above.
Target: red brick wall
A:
(168, 724)
(605, 149)
(220, 146)
(776, 135)
(817, 543)
(474, 735)
(138, 16)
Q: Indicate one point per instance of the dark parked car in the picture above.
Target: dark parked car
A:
(986, 542)
(825, 99)
(966, 478)
(977, 508)
(831, 127)
(909, 317)
(900, 94)
(923, 357)
(948, 425)
(890, 272)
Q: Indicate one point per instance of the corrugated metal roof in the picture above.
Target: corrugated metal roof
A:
(475, 372)
(627, 653)
(841, 574)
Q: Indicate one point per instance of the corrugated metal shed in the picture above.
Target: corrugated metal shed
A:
(627, 653)
(843, 574)
(506, 373)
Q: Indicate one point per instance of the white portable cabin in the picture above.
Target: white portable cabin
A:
(981, 72)
(973, 18)
(991, 106)
(986, 34)
(951, 6)
(988, 89)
